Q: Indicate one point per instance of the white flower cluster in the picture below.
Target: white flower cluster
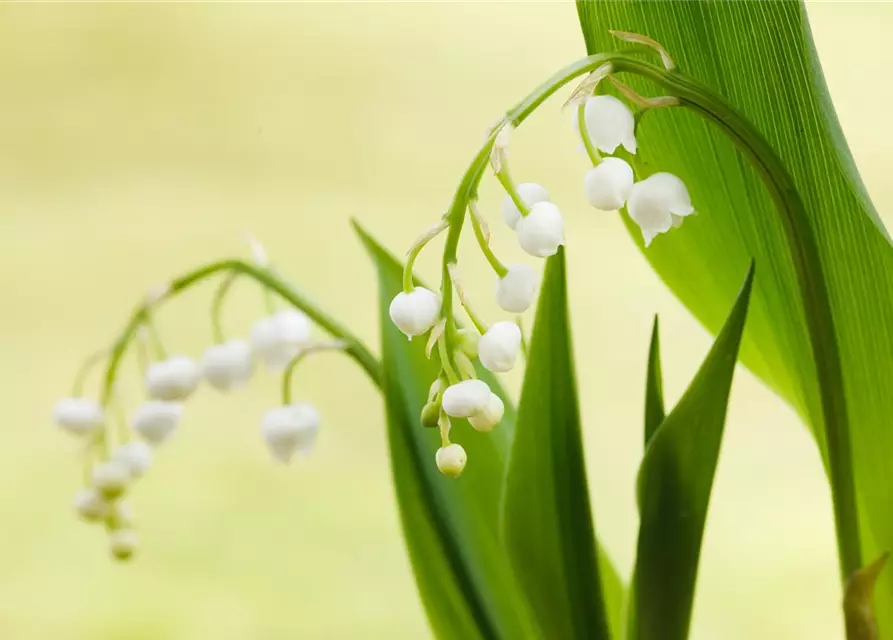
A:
(275, 340)
(657, 203)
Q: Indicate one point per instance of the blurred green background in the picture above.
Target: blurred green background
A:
(138, 140)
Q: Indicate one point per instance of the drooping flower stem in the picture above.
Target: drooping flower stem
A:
(798, 233)
(483, 241)
(217, 306)
(333, 345)
(594, 156)
(268, 280)
(80, 378)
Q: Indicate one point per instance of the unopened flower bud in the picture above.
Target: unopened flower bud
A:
(657, 203)
(451, 460)
(491, 416)
(278, 338)
(172, 379)
(468, 342)
(136, 456)
(516, 290)
(609, 183)
(289, 429)
(79, 416)
(91, 506)
(156, 420)
(610, 123)
(430, 414)
(229, 365)
(541, 231)
(415, 312)
(111, 478)
(530, 193)
(123, 543)
(498, 348)
(466, 398)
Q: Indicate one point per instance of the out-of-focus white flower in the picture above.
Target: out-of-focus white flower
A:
(79, 416)
(491, 416)
(123, 543)
(136, 456)
(466, 398)
(516, 290)
(111, 478)
(289, 429)
(609, 183)
(91, 506)
(228, 365)
(498, 348)
(610, 123)
(658, 203)
(415, 312)
(278, 338)
(172, 379)
(541, 231)
(530, 193)
(156, 420)
(451, 460)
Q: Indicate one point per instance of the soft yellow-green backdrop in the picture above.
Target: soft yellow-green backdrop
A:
(137, 140)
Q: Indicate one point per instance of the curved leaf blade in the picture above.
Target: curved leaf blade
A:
(674, 484)
(547, 519)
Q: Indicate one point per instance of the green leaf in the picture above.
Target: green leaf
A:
(674, 485)
(451, 526)
(654, 387)
(761, 58)
(547, 520)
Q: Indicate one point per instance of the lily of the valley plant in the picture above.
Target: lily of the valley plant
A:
(496, 512)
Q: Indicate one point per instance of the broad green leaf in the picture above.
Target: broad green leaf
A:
(451, 526)
(760, 57)
(547, 520)
(674, 485)
(654, 387)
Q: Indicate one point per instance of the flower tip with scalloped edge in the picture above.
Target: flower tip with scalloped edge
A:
(289, 429)
(657, 204)
(414, 313)
(610, 124)
(608, 184)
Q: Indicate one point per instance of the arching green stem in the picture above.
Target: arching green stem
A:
(334, 345)
(270, 281)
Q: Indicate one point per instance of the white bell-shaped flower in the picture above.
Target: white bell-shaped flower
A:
(466, 398)
(491, 416)
(156, 420)
(111, 478)
(609, 183)
(278, 338)
(79, 416)
(498, 348)
(451, 460)
(123, 543)
(90, 506)
(136, 456)
(414, 313)
(172, 379)
(516, 290)
(658, 203)
(228, 365)
(530, 193)
(610, 123)
(289, 429)
(541, 231)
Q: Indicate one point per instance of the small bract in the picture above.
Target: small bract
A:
(658, 203)
(136, 456)
(156, 420)
(609, 183)
(491, 416)
(414, 313)
(530, 193)
(228, 365)
(172, 379)
(610, 123)
(541, 231)
(466, 398)
(516, 290)
(278, 338)
(498, 348)
(79, 416)
(289, 429)
(451, 460)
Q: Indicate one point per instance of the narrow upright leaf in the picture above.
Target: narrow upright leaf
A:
(547, 519)
(654, 387)
(674, 485)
